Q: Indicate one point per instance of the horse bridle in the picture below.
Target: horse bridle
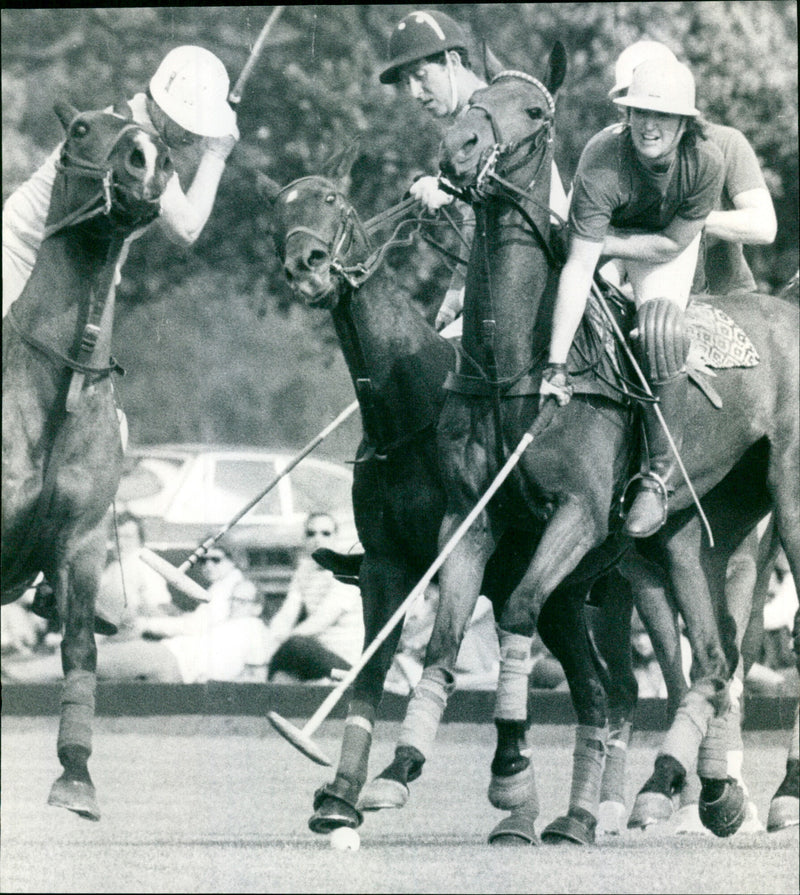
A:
(102, 202)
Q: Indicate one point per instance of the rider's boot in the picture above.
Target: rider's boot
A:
(663, 348)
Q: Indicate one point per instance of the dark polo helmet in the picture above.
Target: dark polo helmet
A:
(418, 35)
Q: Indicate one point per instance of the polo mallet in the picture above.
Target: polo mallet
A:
(659, 415)
(301, 739)
(177, 576)
(235, 96)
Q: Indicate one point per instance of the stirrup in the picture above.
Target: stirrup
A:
(651, 481)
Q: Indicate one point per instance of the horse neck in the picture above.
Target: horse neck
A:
(387, 341)
(70, 267)
(509, 281)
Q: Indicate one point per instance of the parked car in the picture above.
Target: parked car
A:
(186, 493)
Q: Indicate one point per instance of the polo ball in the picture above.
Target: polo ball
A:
(345, 839)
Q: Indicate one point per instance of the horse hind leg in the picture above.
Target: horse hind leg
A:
(784, 809)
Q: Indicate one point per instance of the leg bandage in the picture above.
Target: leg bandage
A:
(613, 788)
(588, 760)
(511, 700)
(425, 709)
(712, 759)
(683, 738)
(77, 710)
(356, 744)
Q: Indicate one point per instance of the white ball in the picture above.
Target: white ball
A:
(345, 839)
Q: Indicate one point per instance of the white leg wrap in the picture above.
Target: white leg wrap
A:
(683, 739)
(425, 710)
(511, 700)
(588, 760)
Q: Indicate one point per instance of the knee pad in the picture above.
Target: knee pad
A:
(662, 343)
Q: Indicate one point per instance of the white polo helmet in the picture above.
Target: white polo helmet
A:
(191, 87)
(661, 86)
(635, 55)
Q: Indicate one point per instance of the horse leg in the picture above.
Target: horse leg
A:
(611, 627)
(570, 534)
(460, 581)
(706, 698)
(784, 809)
(384, 584)
(76, 586)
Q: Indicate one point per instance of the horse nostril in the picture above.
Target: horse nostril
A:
(468, 147)
(288, 273)
(316, 257)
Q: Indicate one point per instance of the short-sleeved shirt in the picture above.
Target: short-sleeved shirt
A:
(725, 268)
(612, 188)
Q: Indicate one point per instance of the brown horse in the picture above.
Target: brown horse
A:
(62, 451)
(574, 472)
(399, 365)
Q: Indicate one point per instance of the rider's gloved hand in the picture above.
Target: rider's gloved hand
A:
(222, 147)
(451, 307)
(426, 190)
(555, 383)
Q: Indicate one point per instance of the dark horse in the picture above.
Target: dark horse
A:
(573, 474)
(398, 364)
(62, 451)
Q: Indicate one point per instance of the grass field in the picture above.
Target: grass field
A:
(220, 804)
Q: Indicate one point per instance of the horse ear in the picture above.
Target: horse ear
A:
(492, 66)
(122, 109)
(338, 166)
(267, 188)
(66, 113)
(558, 67)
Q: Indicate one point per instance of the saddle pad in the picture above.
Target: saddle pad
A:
(716, 340)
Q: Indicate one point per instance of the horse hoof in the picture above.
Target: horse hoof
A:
(508, 793)
(610, 819)
(574, 828)
(515, 830)
(686, 821)
(76, 795)
(332, 811)
(784, 811)
(383, 793)
(725, 814)
(648, 809)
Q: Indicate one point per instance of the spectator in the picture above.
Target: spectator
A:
(22, 632)
(774, 673)
(223, 640)
(131, 583)
(478, 662)
(319, 628)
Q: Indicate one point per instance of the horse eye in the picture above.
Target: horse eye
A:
(535, 113)
(330, 198)
(81, 129)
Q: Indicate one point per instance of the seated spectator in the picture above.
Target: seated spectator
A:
(478, 663)
(223, 640)
(774, 673)
(21, 632)
(130, 582)
(318, 632)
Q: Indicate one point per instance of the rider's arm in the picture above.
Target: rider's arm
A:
(184, 215)
(657, 247)
(751, 222)
(573, 292)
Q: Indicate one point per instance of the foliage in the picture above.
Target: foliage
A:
(236, 358)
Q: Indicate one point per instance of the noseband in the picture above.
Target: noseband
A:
(102, 202)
